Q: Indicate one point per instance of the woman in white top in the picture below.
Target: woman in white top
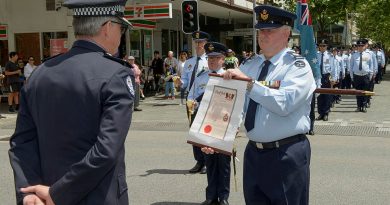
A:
(180, 67)
(29, 68)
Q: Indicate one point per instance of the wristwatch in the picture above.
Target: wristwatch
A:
(249, 85)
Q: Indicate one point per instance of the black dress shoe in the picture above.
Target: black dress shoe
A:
(325, 118)
(196, 168)
(311, 132)
(210, 202)
(320, 117)
(137, 109)
(224, 202)
(203, 170)
(364, 109)
(358, 109)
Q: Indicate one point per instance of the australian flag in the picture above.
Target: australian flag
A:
(308, 47)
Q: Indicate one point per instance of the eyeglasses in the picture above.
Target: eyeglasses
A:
(360, 45)
(123, 26)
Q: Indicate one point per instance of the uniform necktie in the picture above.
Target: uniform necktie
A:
(252, 106)
(322, 64)
(361, 62)
(194, 72)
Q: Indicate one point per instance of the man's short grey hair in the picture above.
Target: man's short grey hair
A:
(89, 25)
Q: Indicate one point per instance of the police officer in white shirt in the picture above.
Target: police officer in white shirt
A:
(276, 118)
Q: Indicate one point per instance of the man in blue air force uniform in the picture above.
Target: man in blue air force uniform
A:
(191, 70)
(361, 73)
(218, 165)
(328, 71)
(75, 112)
(277, 156)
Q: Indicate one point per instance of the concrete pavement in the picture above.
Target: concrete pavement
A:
(346, 168)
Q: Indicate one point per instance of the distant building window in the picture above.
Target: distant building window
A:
(50, 5)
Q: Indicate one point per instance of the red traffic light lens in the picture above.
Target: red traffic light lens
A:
(188, 8)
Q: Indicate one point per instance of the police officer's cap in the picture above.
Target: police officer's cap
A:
(361, 42)
(98, 8)
(215, 49)
(323, 42)
(200, 36)
(269, 17)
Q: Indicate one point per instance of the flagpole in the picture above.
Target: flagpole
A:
(254, 30)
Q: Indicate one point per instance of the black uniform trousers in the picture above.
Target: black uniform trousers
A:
(218, 176)
(198, 154)
(361, 83)
(378, 76)
(371, 86)
(278, 176)
(324, 100)
(312, 112)
(346, 83)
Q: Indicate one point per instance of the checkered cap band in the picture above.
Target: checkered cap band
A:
(98, 11)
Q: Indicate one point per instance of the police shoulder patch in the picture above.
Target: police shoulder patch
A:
(299, 64)
(129, 84)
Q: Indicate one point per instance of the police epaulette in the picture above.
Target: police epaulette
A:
(118, 60)
(51, 57)
(295, 55)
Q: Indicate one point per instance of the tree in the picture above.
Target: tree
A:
(373, 21)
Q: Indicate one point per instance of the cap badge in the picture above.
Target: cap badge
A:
(211, 47)
(264, 15)
(197, 35)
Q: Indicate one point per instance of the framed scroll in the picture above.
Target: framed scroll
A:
(219, 114)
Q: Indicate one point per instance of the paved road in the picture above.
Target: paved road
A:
(350, 156)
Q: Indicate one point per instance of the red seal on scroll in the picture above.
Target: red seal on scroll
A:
(207, 129)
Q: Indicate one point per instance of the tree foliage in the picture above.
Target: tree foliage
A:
(371, 16)
(373, 20)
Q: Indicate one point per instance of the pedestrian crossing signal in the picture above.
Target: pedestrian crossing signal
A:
(190, 18)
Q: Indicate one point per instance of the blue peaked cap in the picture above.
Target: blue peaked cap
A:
(269, 17)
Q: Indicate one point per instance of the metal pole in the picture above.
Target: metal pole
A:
(254, 30)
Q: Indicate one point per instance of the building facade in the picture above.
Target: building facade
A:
(42, 28)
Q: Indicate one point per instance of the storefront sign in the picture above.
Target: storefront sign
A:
(3, 32)
(148, 47)
(144, 24)
(241, 32)
(149, 11)
(58, 46)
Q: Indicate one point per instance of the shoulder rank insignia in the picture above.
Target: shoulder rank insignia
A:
(295, 55)
(299, 64)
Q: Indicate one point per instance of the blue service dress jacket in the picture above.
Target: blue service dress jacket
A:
(75, 113)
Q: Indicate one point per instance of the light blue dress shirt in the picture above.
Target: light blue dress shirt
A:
(374, 61)
(189, 67)
(200, 83)
(367, 64)
(327, 66)
(282, 112)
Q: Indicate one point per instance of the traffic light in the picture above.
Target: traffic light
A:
(189, 16)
